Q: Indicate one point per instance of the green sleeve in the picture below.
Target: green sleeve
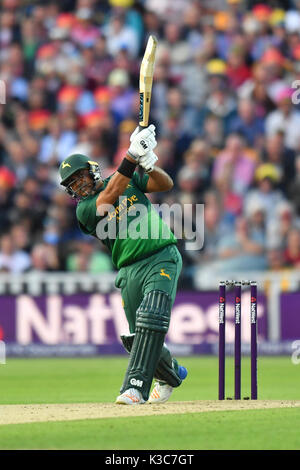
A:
(140, 181)
(86, 216)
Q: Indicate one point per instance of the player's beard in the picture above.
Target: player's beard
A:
(84, 190)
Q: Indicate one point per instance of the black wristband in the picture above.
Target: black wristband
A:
(127, 168)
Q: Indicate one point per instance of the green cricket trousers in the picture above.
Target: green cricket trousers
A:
(159, 271)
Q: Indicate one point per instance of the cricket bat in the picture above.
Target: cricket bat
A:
(146, 79)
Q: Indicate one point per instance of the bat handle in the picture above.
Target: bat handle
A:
(140, 169)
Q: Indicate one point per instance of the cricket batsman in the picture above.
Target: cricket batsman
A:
(149, 266)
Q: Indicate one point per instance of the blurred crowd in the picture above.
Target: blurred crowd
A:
(225, 104)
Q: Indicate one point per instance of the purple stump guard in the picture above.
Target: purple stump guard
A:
(222, 305)
(237, 341)
(253, 320)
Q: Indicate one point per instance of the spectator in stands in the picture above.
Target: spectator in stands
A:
(213, 133)
(235, 160)
(283, 222)
(282, 158)
(275, 259)
(84, 33)
(166, 147)
(294, 188)
(85, 258)
(237, 69)
(120, 35)
(221, 102)
(247, 123)
(256, 90)
(285, 119)
(12, 259)
(212, 224)
(44, 257)
(245, 247)
(122, 95)
(57, 143)
(265, 194)
(292, 252)
(198, 159)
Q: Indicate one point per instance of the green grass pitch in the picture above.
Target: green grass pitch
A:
(97, 380)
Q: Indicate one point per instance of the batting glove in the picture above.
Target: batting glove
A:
(148, 161)
(142, 142)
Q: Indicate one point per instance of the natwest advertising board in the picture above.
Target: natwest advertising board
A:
(58, 321)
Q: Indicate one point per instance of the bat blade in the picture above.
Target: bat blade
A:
(146, 79)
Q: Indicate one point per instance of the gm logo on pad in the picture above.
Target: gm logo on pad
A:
(136, 382)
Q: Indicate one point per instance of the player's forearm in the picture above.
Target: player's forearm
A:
(159, 180)
(115, 187)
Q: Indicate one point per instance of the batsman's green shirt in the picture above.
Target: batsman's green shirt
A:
(132, 228)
